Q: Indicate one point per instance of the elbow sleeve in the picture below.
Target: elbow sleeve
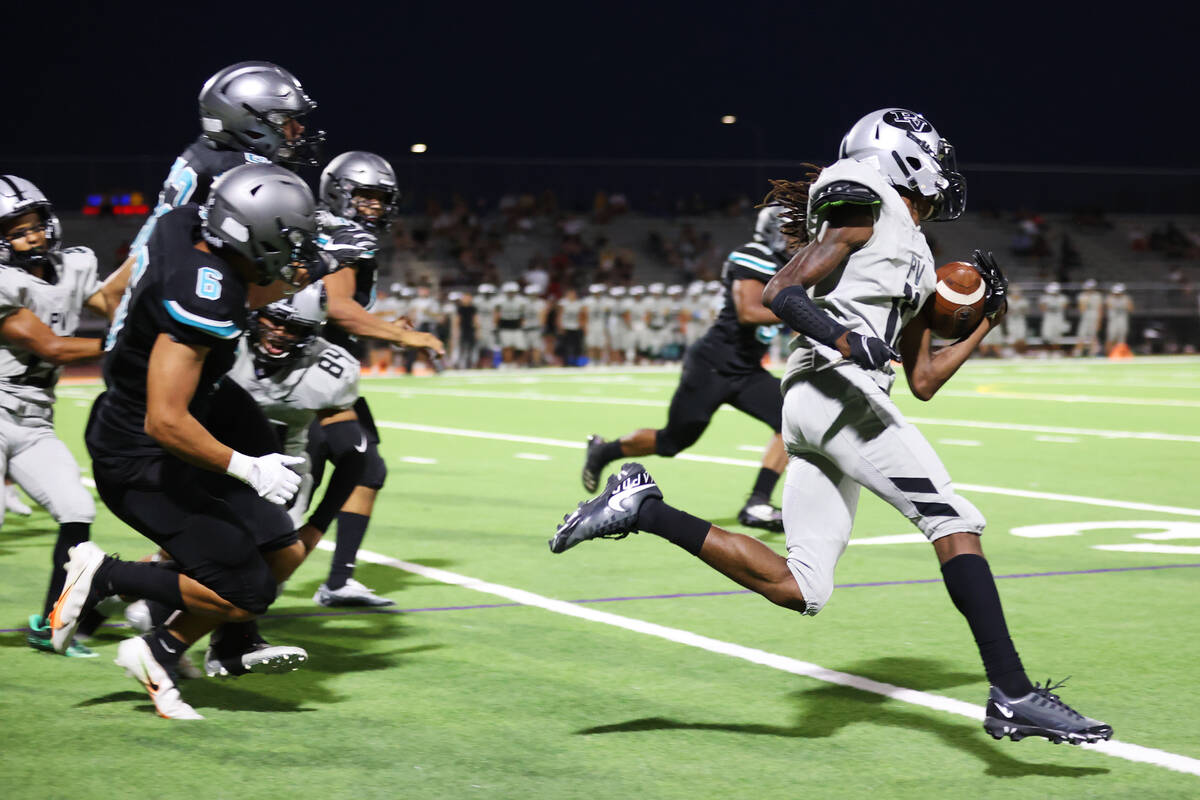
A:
(800, 313)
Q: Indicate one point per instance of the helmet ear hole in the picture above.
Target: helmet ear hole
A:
(914, 162)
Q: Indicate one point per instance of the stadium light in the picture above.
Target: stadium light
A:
(728, 119)
(418, 148)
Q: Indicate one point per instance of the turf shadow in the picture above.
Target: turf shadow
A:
(827, 710)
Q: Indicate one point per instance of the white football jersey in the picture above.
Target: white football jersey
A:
(568, 314)
(324, 378)
(1118, 306)
(1090, 303)
(534, 308)
(656, 309)
(23, 375)
(485, 317)
(511, 307)
(884, 283)
(1054, 305)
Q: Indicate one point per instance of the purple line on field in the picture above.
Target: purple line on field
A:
(306, 614)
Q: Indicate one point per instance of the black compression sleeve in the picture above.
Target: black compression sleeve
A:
(800, 313)
(342, 440)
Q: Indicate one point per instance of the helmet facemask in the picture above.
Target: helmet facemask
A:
(302, 151)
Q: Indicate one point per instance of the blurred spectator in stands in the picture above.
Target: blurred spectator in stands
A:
(1171, 242)
(1091, 217)
(537, 275)
(1138, 240)
(1030, 237)
(1068, 259)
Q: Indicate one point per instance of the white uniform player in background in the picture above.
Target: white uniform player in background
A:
(1053, 306)
(533, 324)
(510, 311)
(43, 289)
(485, 325)
(571, 320)
(675, 311)
(657, 312)
(695, 307)
(1117, 307)
(296, 377)
(620, 325)
(1090, 304)
(638, 303)
(595, 334)
(1016, 326)
(869, 270)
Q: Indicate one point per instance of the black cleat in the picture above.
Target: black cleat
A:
(593, 464)
(761, 515)
(612, 514)
(1041, 713)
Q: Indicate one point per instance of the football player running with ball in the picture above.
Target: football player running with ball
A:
(216, 511)
(724, 366)
(869, 269)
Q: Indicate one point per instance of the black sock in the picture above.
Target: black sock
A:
(764, 485)
(609, 452)
(165, 648)
(678, 527)
(235, 637)
(973, 589)
(139, 579)
(351, 528)
(69, 535)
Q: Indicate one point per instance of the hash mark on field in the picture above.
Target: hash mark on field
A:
(961, 442)
(532, 456)
(1118, 749)
(1057, 439)
(750, 448)
(418, 460)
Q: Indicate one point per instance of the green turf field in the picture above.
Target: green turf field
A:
(484, 684)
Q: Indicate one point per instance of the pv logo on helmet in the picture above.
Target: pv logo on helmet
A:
(907, 119)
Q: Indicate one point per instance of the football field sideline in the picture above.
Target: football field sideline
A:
(741, 462)
(1115, 748)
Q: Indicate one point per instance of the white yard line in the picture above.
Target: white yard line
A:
(741, 462)
(1073, 398)
(1125, 750)
(600, 400)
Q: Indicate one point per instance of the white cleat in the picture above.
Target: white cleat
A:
(139, 663)
(352, 594)
(14, 503)
(258, 658)
(84, 559)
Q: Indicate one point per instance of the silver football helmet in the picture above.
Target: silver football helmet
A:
(292, 325)
(267, 214)
(767, 230)
(246, 105)
(358, 169)
(909, 153)
(17, 198)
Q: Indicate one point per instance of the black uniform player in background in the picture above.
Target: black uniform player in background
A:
(724, 366)
(358, 195)
(156, 463)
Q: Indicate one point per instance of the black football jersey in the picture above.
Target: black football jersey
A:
(353, 247)
(731, 346)
(192, 296)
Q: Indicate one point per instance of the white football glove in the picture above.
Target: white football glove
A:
(270, 475)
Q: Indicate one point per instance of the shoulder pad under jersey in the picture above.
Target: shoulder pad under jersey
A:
(838, 193)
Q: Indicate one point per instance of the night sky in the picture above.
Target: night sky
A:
(1036, 83)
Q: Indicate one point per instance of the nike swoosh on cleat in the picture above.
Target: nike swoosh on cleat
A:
(1005, 710)
(613, 502)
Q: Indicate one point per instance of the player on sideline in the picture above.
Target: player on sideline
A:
(724, 366)
(157, 466)
(358, 204)
(869, 268)
(43, 287)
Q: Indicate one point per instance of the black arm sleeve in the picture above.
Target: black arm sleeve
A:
(343, 440)
(800, 313)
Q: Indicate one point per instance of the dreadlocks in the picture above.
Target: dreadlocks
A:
(793, 197)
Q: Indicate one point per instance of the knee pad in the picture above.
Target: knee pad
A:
(962, 517)
(815, 586)
(674, 438)
(258, 592)
(376, 472)
(72, 503)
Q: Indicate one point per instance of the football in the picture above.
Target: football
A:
(957, 305)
